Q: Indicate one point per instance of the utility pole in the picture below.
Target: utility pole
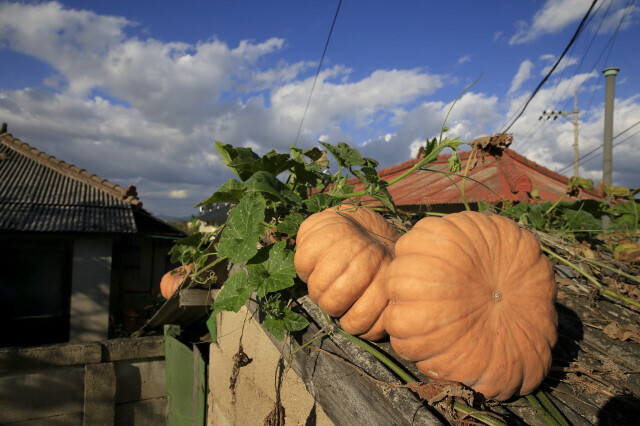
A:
(575, 113)
(607, 157)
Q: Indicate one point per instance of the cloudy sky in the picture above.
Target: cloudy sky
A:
(138, 92)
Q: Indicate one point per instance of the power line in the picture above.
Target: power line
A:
(609, 46)
(326, 45)
(601, 145)
(544, 80)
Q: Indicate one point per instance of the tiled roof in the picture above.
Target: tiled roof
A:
(41, 193)
(509, 176)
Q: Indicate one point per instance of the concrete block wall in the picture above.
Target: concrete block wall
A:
(255, 393)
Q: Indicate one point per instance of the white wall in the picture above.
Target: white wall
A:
(90, 284)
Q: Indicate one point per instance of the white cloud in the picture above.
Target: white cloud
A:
(566, 62)
(554, 16)
(464, 59)
(357, 101)
(141, 111)
(178, 193)
(523, 74)
(145, 112)
(629, 13)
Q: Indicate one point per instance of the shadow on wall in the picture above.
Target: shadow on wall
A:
(58, 392)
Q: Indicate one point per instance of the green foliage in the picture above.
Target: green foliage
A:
(583, 217)
(243, 229)
(274, 193)
(580, 218)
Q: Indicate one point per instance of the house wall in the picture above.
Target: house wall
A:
(255, 394)
(90, 288)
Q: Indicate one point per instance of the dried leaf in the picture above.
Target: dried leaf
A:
(622, 332)
(442, 393)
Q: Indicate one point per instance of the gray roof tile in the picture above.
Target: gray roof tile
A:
(41, 193)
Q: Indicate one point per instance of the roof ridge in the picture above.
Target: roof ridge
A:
(127, 194)
(545, 171)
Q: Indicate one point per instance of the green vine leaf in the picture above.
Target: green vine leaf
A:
(318, 202)
(280, 318)
(268, 184)
(233, 294)
(454, 162)
(189, 249)
(230, 192)
(385, 199)
(348, 157)
(244, 162)
(290, 224)
(272, 269)
(243, 229)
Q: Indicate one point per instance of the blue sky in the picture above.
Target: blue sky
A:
(137, 92)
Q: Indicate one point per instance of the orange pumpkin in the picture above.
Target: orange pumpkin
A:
(342, 254)
(172, 279)
(471, 299)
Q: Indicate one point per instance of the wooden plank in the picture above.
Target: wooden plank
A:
(127, 348)
(196, 297)
(99, 394)
(179, 367)
(14, 359)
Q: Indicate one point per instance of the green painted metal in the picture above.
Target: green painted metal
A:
(186, 381)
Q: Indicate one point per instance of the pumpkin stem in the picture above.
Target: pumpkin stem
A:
(589, 277)
(497, 296)
(540, 409)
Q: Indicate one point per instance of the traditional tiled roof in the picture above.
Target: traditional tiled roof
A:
(496, 176)
(38, 192)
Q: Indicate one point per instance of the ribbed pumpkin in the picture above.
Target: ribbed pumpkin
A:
(342, 254)
(471, 299)
(172, 279)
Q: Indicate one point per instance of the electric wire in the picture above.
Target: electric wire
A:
(609, 46)
(324, 52)
(544, 80)
(614, 145)
(538, 123)
(586, 52)
(584, 156)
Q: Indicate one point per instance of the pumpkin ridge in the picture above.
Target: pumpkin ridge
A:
(528, 337)
(463, 354)
(516, 255)
(543, 362)
(377, 237)
(439, 328)
(352, 266)
(507, 366)
(485, 370)
(483, 222)
(478, 254)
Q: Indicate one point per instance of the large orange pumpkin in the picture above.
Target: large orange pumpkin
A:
(471, 299)
(342, 254)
